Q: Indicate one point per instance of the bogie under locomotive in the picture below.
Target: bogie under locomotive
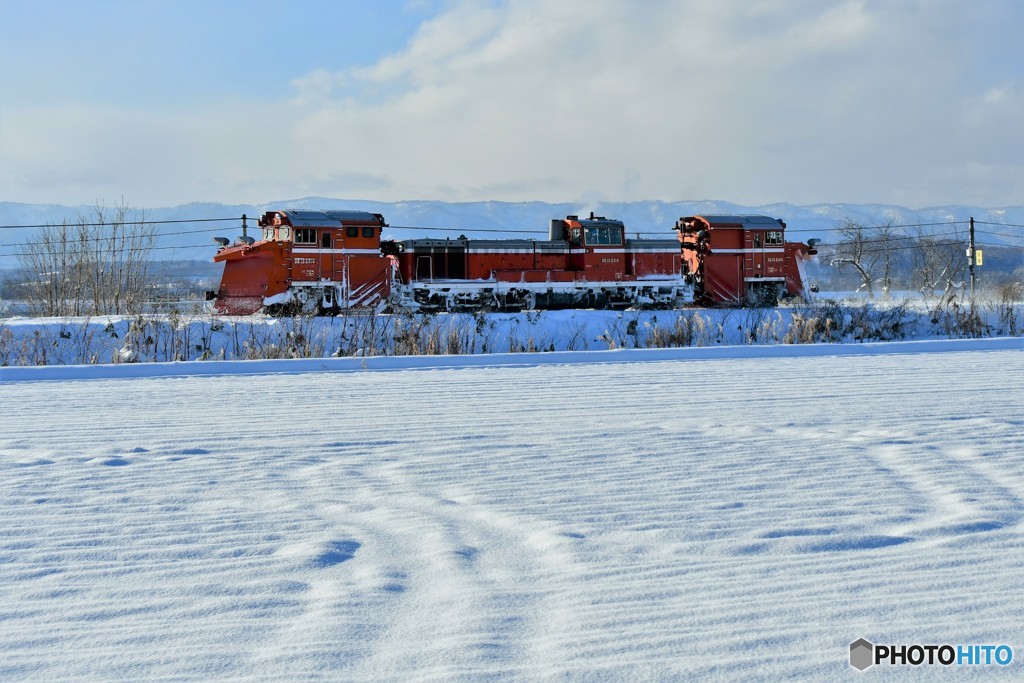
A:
(336, 261)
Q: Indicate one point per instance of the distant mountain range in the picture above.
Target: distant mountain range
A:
(189, 240)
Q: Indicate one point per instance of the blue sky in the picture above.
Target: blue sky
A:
(185, 52)
(162, 102)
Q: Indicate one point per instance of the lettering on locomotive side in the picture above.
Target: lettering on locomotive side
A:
(775, 259)
(305, 261)
(609, 260)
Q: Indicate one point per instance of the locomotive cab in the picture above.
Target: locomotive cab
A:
(325, 261)
(596, 231)
(741, 259)
(596, 247)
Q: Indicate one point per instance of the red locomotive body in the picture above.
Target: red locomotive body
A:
(584, 263)
(335, 261)
(742, 259)
(328, 259)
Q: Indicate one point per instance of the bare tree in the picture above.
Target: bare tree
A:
(871, 251)
(938, 262)
(888, 242)
(49, 271)
(98, 265)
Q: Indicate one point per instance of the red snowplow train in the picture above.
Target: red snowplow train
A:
(333, 262)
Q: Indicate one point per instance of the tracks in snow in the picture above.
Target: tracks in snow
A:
(734, 518)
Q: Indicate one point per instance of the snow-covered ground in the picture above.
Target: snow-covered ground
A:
(627, 515)
(198, 336)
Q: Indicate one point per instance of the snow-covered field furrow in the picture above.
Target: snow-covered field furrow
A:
(724, 517)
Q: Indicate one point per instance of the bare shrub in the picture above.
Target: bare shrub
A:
(683, 330)
(575, 335)
(7, 354)
(820, 322)
(1010, 294)
(366, 335)
(98, 265)
(954, 319)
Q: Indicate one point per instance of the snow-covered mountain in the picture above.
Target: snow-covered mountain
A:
(514, 219)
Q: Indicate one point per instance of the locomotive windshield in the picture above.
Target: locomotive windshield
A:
(604, 234)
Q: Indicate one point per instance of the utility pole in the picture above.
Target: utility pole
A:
(971, 259)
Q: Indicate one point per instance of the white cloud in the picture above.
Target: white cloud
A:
(787, 100)
(844, 26)
(1001, 94)
(437, 46)
(317, 85)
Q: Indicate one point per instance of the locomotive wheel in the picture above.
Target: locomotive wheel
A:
(327, 311)
(764, 296)
(288, 310)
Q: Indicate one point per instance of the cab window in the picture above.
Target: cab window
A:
(604, 234)
(305, 236)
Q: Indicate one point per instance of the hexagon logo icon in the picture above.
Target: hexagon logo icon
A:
(862, 654)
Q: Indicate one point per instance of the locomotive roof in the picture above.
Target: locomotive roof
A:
(598, 221)
(746, 220)
(307, 217)
(515, 244)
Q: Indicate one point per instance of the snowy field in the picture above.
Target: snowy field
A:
(717, 513)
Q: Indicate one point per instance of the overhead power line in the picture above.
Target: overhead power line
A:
(498, 230)
(109, 237)
(856, 226)
(495, 230)
(1000, 234)
(821, 247)
(1005, 225)
(131, 249)
(76, 224)
(894, 239)
(836, 249)
(668, 234)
